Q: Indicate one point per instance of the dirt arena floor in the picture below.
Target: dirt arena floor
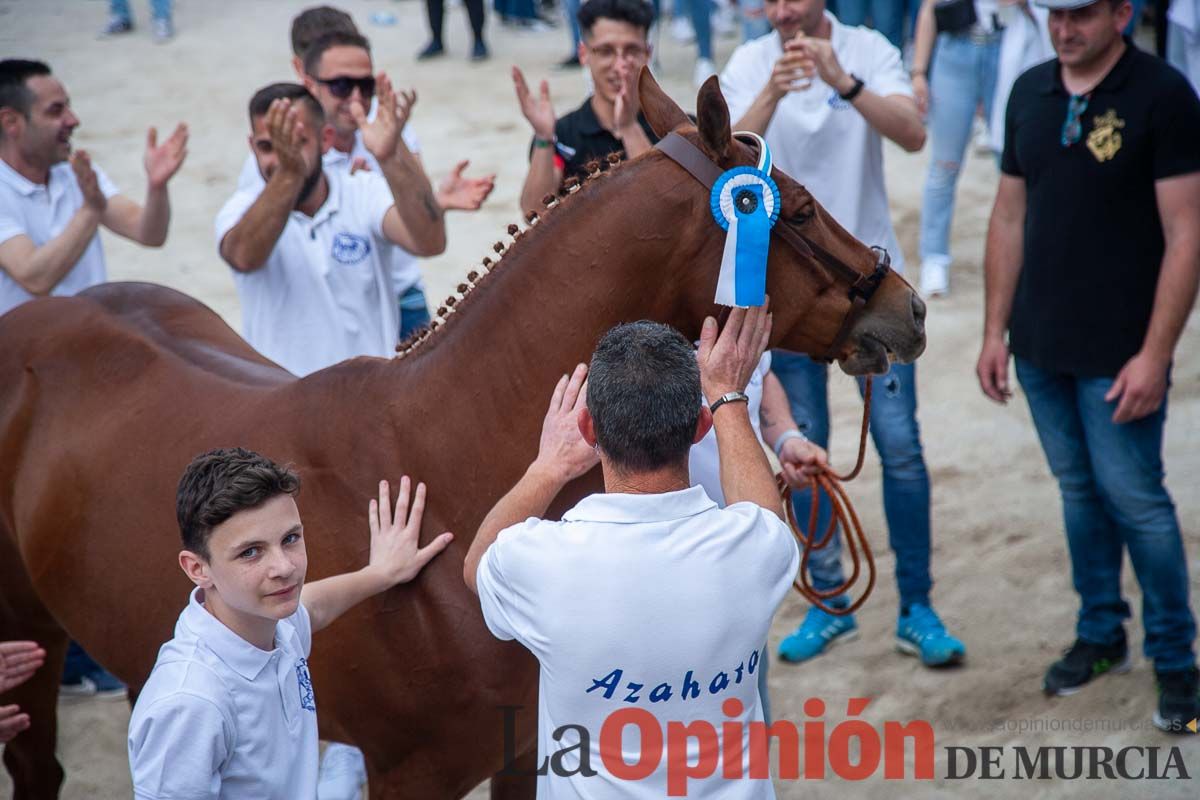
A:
(999, 559)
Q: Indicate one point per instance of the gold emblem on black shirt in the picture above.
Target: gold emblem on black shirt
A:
(1105, 139)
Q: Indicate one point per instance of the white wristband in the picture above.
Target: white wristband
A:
(783, 437)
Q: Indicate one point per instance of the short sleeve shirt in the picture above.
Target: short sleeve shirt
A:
(221, 719)
(1093, 237)
(325, 293)
(403, 264)
(581, 139)
(821, 140)
(42, 212)
(657, 602)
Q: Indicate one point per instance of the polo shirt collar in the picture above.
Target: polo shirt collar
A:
(235, 652)
(1111, 82)
(641, 508)
(17, 181)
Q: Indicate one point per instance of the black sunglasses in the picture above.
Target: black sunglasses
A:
(342, 87)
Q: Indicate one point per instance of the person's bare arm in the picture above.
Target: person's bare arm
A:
(248, 244)
(727, 360)
(924, 38)
(543, 177)
(1001, 270)
(147, 224)
(395, 557)
(563, 455)
(798, 457)
(1141, 385)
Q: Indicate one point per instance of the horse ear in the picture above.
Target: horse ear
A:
(661, 111)
(712, 118)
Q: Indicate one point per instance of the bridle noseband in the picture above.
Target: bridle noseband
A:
(862, 287)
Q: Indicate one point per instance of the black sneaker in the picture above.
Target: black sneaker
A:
(1083, 662)
(479, 51)
(1178, 701)
(431, 50)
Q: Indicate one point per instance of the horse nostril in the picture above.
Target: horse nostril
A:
(918, 309)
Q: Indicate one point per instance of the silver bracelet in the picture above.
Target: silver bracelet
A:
(783, 437)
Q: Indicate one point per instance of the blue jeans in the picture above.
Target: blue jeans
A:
(1111, 480)
(160, 9)
(897, 438)
(414, 311)
(701, 13)
(753, 26)
(963, 76)
(571, 10)
(887, 16)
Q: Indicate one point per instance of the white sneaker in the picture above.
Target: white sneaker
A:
(935, 277)
(343, 773)
(725, 21)
(681, 30)
(704, 68)
(981, 137)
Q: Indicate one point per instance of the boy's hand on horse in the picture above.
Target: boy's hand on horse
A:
(396, 556)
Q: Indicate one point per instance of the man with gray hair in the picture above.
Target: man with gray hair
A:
(648, 595)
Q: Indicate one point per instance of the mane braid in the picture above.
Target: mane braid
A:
(596, 170)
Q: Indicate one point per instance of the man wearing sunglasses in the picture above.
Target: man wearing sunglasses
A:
(1092, 265)
(334, 63)
(615, 47)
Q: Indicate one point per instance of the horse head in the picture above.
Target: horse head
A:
(833, 297)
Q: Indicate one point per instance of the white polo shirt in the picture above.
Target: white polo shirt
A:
(325, 293)
(821, 140)
(704, 460)
(405, 272)
(42, 212)
(657, 602)
(220, 718)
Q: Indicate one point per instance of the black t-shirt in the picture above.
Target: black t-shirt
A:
(581, 138)
(1093, 236)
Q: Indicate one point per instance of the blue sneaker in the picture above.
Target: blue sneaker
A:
(819, 631)
(920, 633)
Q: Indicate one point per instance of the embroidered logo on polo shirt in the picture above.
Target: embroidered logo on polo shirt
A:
(349, 248)
(307, 700)
(1105, 139)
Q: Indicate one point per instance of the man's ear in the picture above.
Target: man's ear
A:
(298, 68)
(587, 426)
(660, 110)
(712, 118)
(196, 568)
(327, 136)
(10, 121)
(703, 424)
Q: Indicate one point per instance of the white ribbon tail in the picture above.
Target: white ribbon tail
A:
(727, 280)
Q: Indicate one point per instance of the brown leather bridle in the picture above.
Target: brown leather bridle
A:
(861, 287)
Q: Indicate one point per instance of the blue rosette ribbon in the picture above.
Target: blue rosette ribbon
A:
(745, 202)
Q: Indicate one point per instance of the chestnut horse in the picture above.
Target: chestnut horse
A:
(105, 397)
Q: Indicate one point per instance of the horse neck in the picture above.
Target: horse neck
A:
(613, 251)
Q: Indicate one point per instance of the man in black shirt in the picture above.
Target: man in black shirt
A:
(1092, 266)
(615, 47)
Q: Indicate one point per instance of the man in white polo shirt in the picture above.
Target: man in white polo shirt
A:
(333, 61)
(52, 202)
(310, 251)
(647, 596)
(825, 95)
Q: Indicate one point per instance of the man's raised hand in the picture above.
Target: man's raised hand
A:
(89, 184)
(163, 161)
(539, 111)
(562, 451)
(727, 360)
(461, 193)
(381, 136)
(395, 554)
(288, 136)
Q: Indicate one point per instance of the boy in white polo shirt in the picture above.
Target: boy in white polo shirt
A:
(229, 709)
(311, 249)
(53, 202)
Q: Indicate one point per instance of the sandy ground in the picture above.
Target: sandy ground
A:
(999, 555)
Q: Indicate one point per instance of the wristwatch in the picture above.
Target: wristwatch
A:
(729, 397)
(853, 93)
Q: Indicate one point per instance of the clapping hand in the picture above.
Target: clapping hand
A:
(395, 554)
(539, 111)
(461, 193)
(817, 56)
(288, 137)
(381, 135)
(89, 184)
(163, 161)
(625, 107)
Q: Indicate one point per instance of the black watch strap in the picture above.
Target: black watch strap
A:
(853, 93)
(729, 397)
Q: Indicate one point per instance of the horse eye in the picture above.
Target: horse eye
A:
(802, 216)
